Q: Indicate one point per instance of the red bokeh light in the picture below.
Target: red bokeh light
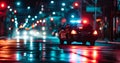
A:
(2, 5)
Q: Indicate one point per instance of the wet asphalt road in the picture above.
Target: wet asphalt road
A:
(49, 51)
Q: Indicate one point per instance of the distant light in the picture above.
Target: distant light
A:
(9, 28)
(26, 20)
(40, 20)
(35, 16)
(53, 13)
(33, 19)
(42, 9)
(43, 28)
(37, 21)
(52, 2)
(71, 7)
(44, 40)
(12, 12)
(8, 7)
(15, 11)
(44, 37)
(28, 7)
(76, 4)
(25, 54)
(40, 12)
(42, 5)
(72, 16)
(15, 19)
(31, 55)
(29, 16)
(35, 24)
(18, 3)
(51, 18)
(63, 4)
(62, 9)
(16, 22)
(44, 21)
(44, 33)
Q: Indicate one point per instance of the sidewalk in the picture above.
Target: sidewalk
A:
(107, 41)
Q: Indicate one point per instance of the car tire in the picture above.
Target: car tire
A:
(61, 41)
(92, 43)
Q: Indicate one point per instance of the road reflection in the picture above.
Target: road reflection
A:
(5, 52)
(27, 51)
(84, 56)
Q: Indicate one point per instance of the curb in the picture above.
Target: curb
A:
(114, 42)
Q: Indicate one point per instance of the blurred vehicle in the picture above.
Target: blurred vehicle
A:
(22, 33)
(25, 33)
(80, 32)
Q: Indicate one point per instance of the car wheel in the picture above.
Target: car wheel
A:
(92, 43)
(69, 42)
(61, 41)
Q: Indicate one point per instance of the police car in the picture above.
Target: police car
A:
(82, 32)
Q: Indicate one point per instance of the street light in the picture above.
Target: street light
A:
(54, 13)
(8, 7)
(52, 2)
(36, 17)
(40, 12)
(29, 16)
(42, 6)
(18, 3)
(33, 19)
(28, 7)
(62, 9)
(63, 4)
(42, 9)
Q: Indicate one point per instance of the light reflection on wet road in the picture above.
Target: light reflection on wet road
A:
(45, 51)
